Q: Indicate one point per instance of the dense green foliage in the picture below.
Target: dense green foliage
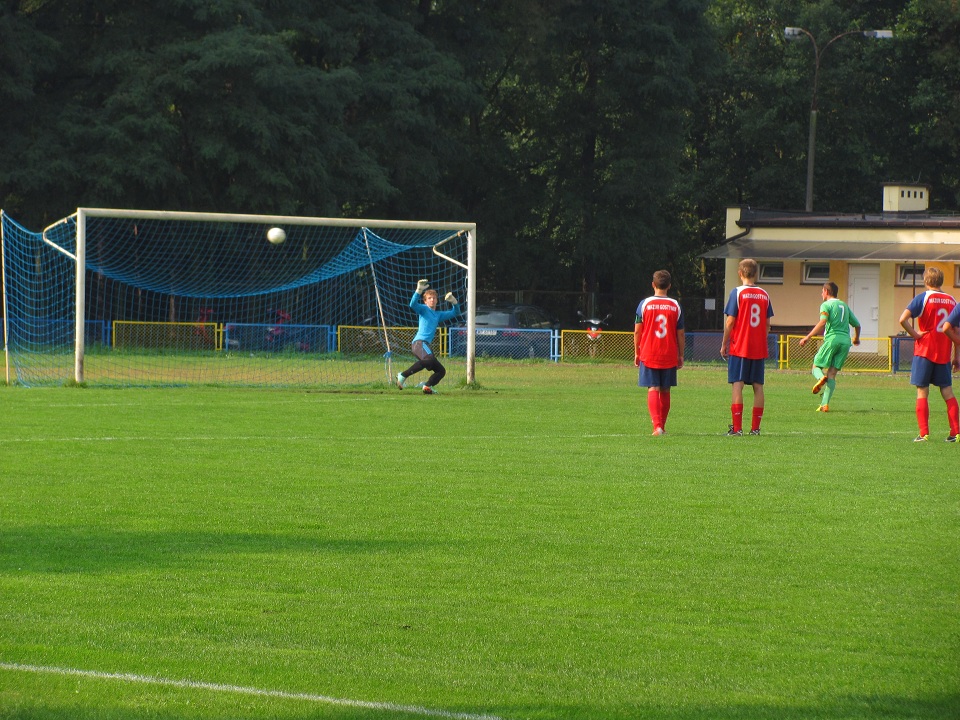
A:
(592, 141)
(525, 550)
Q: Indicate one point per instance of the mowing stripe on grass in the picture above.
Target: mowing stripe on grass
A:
(299, 438)
(240, 690)
(852, 432)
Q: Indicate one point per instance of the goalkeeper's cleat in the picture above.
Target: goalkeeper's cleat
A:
(952, 438)
(400, 380)
(818, 386)
(755, 432)
(921, 438)
(823, 408)
(427, 390)
(734, 433)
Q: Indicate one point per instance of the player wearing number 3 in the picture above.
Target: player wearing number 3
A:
(746, 328)
(658, 339)
(923, 320)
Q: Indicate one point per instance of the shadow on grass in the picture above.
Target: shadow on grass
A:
(944, 707)
(874, 707)
(53, 549)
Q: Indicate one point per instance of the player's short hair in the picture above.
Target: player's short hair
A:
(431, 291)
(933, 277)
(748, 268)
(831, 288)
(662, 280)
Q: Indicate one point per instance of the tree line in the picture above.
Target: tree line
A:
(593, 141)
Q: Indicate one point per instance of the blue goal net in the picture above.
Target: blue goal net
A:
(192, 298)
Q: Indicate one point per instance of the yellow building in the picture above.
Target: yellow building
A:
(877, 259)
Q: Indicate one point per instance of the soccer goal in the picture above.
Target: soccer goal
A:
(135, 297)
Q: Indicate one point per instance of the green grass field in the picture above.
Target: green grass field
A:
(525, 550)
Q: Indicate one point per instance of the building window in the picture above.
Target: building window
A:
(816, 273)
(771, 273)
(911, 274)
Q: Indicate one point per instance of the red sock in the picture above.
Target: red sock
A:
(664, 407)
(953, 415)
(653, 406)
(923, 416)
(757, 415)
(737, 412)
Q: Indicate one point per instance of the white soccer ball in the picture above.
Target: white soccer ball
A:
(276, 235)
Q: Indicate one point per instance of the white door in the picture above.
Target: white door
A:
(863, 297)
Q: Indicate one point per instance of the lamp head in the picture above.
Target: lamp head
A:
(878, 34)
(792, 33)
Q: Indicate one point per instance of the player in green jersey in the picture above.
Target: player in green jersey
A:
(836, 319)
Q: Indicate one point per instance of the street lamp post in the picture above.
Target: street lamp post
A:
(796, 33)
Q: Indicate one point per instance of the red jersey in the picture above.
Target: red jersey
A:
(751, 307)
(929, 310)
(659, 318)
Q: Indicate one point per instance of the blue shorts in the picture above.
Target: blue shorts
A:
(657, 377)
(924, 373)
(746, 371)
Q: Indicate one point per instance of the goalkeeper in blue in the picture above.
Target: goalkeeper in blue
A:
(424, 303)
(836, 319)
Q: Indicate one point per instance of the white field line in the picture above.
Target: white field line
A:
(240, 690)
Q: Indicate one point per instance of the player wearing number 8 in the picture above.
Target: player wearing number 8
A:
(923, 320)
(746, 328)
(659, 339)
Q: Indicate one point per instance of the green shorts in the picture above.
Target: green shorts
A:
(832, 353)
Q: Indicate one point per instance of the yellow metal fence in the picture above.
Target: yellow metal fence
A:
(874, 354)
(610, 345)
(871, 355)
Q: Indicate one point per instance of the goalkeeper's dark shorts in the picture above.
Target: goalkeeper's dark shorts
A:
(422, 351)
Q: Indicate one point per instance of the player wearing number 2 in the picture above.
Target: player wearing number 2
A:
(658, 339)
(923, 320)
(746, 328)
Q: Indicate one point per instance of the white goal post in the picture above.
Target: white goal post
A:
(213, 272)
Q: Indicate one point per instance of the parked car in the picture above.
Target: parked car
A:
(511, 331)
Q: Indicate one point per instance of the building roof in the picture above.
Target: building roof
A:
(750, 218)
(891, 236)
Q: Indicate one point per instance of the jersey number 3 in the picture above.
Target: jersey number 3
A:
(661, 331)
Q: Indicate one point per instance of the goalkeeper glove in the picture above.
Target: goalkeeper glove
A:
(422, 286)
(451, 298)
